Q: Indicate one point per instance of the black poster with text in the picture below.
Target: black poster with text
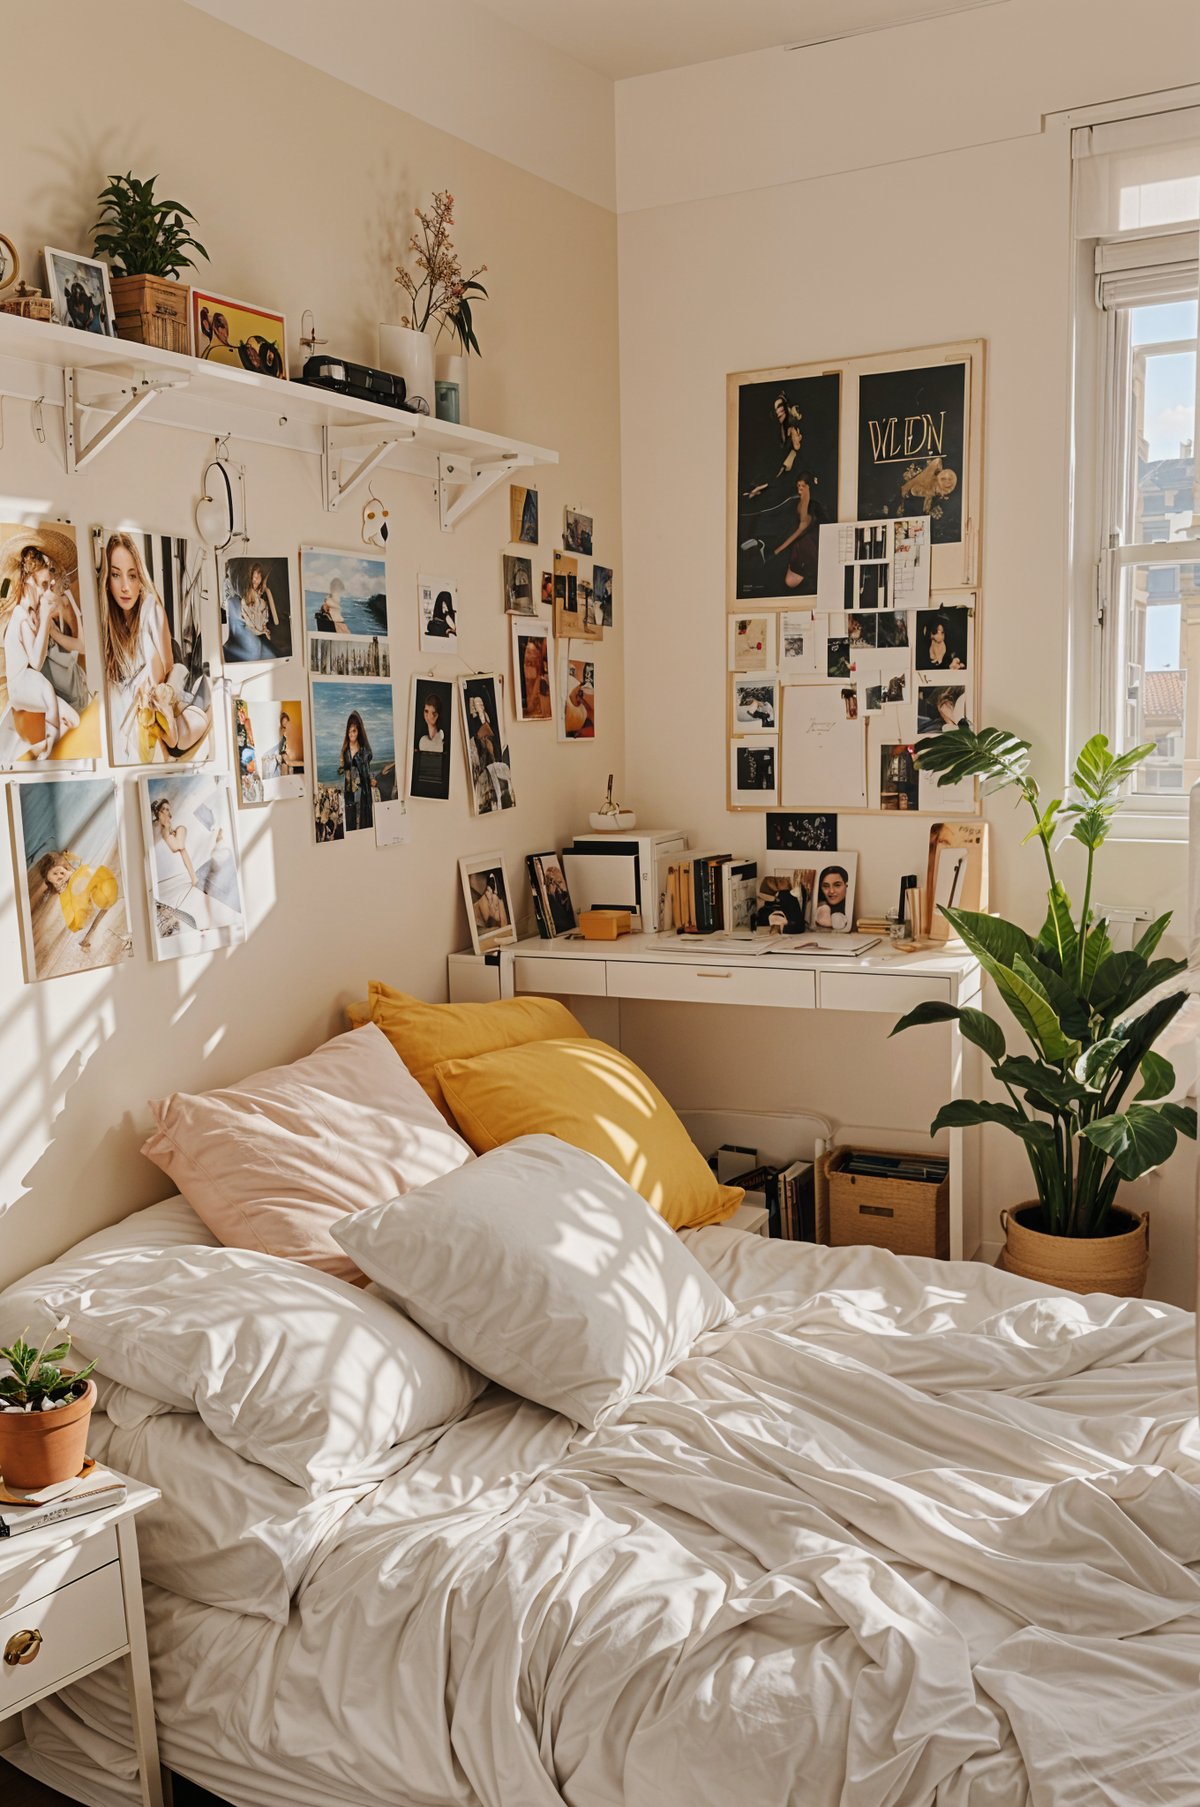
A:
(912, 435)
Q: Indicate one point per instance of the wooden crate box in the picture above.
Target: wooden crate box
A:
(909, 1217)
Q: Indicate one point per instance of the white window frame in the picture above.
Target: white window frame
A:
(1111, 277)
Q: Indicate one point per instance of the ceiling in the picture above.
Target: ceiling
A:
(622, 38)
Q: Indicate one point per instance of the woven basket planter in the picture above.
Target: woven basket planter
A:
(151, 310)
(1083, 1264)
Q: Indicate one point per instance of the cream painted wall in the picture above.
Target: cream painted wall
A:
(919, 222)
(303, 189)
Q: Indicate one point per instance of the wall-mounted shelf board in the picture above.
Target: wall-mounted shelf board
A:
(103, 385)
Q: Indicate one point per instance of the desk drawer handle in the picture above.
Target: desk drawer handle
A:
(22, 1647)
(705, 973)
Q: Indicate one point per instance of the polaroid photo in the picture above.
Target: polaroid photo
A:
(71, 893)
(754, 772)
(489, 901)
(941, 706)
(518, 585)
(752, 642)
(577, 532)
(576, 693)
(437, 611)
(831, 906)
(801, 644)
(268, 750)
(755, 704)
(489, 772)
(256, 609)
(802, 831)
(533, 682)
(196, 901)
(153, 596)
(943, 641)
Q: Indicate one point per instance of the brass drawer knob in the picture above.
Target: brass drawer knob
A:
(22, 1647)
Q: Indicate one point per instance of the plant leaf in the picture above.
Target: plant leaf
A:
(1058, 930)
(1071, 1010)
(964, 1113)
(1181, 1117)
(993, 754)
(1147, 942)
(990, 938)
(976, 1025)
(1158, 1076)
(1039, 1082)
(1136, 1141)
(1095, 1063)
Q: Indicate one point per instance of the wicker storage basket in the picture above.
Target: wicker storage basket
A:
(152, 311)
(1084, 1264)
(910, 1217)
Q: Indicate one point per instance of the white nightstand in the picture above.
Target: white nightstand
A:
(71, 1601)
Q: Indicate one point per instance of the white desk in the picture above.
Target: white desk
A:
(672, 969)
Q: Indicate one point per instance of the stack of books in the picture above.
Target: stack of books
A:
(29, 1509)
(924, 1169)
(712, 892)
(789, 1196)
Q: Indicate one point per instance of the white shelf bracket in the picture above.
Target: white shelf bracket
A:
(127, 405)
(337, 487)
(464, 482)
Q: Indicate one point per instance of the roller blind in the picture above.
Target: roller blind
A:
(1135, 175)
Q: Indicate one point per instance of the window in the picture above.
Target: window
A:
(1137, 194)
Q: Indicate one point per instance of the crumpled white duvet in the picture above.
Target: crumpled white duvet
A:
(901, 1532)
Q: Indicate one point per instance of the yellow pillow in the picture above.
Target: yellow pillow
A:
(424, 1034)
(587, 1094)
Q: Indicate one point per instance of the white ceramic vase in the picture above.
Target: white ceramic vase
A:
(452, 367)
(408, 353)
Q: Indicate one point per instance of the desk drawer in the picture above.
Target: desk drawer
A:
(80, 1625)
(892, 993)
(559, 978)
(704, 982)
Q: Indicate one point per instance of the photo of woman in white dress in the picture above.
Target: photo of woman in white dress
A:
(195, 888)
(159, 698)
(46, 713)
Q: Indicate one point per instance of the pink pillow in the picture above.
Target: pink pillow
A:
(273, 1163)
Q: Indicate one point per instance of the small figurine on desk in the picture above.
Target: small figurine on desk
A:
(610, 817)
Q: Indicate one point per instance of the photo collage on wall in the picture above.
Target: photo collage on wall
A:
(849, 639)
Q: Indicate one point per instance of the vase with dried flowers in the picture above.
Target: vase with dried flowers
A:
(440, 296)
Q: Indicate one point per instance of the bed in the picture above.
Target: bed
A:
(896, 1532)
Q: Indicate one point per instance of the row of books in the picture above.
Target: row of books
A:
(712, 892)
(790, 1197)
(31, 1509)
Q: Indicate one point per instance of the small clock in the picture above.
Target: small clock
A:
(10, 263)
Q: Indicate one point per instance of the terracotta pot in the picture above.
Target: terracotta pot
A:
(1115, 1263)
(40, 1448)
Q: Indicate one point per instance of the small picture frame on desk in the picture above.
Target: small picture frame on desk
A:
(551, 895)
(488, 897)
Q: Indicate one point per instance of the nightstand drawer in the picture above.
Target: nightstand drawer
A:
(80, 1626)
(22, 1580)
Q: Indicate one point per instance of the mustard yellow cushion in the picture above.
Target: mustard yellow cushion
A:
(587, 1094)
(424, 1034)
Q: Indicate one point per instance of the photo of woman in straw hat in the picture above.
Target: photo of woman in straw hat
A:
(47, 711)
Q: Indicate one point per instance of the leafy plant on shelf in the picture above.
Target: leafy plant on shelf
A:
(1075, 998)
(440, 292)
(142, 236)
(37, 1381)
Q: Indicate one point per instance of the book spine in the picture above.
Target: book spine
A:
(704, 914)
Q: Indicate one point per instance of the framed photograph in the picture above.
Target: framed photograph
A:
(783, 905)
(10, 263)
(195, 887)
(344, 592)
(79, 292)
(256, 609)
(354, 743)
(268, 750)
(551, 895)
(437, 605)
(153, 594)
(577, 532)
(49, 712)
(831, 909)
(430, 732)
(942, 642)
(784, 443)
(576, 694)
(489, 901)
(533, 683)
(489, 774)
(518, 585)
(71, 895)
(755, 704)
(754, 772)
(522, 514)
(602, 581)
(802, 831)
(238, 333)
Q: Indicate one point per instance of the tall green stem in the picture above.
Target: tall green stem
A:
(1085, 914)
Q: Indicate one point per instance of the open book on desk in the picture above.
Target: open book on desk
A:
(746, 941)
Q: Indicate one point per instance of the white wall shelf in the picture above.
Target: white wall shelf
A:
(103, 385)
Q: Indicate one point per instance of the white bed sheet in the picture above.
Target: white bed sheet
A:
(899, 1533)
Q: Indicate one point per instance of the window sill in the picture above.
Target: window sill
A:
(1133, 824)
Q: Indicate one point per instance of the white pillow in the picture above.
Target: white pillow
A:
(288, 1366)
(542, 1268)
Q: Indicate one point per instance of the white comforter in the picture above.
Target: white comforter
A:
(900, 1533)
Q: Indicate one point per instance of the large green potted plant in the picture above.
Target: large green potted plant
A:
(147, 242)
(1091, 1017)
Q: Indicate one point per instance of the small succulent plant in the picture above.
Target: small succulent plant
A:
(37, 1382)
